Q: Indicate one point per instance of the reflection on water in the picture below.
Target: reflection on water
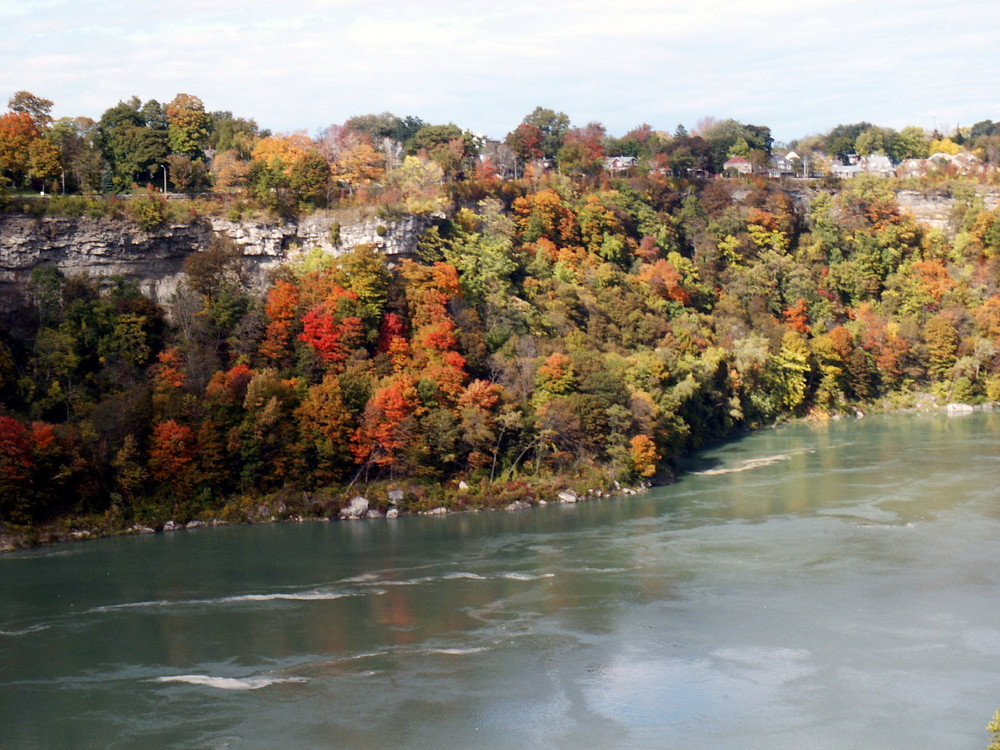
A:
(829, 586)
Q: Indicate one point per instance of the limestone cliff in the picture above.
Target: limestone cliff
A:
(937, 209)
(154, 259)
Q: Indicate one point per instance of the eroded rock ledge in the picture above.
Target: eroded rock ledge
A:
(154, 259)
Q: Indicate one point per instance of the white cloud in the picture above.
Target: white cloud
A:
(799, 67)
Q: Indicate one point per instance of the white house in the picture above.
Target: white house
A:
(620, 163)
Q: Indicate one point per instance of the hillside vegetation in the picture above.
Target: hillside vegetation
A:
(561, 328)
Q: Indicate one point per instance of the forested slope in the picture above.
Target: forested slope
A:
(548, 333)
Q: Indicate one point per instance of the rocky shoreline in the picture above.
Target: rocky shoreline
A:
(357, 508)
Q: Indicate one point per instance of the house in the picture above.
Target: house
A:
(939, 159)
(737, 165)
(877, 164)
(620, 163)
(784, 165)
(844, 171)
(964, 163)
(911, 168)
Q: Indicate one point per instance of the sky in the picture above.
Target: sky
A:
(301, 65)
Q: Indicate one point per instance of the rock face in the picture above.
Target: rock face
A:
(99, 248)
(936, 209)
(324, 232)
(154, 259)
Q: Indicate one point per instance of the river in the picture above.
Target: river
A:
(826, 586)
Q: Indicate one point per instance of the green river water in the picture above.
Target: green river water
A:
(826, 586)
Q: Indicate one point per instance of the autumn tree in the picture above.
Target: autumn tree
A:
(266, 439)
(358, 166)
(325, 428)
(17, 134)
(644, 455)
(189, 126)
(16, 465)
(45, 162)
(329, 335)
(477, 406)
(526, 142)
(436, 360)
(797, 316)
(553, 127)
(172, 457)
(281, 152)
(582, 152)
(601, 230)
(281, 310)
(309, 180)
(382, 433)
(230, 170)
(545, 215)
(791, 368)
(941, 338)
(665, 281)
(418, 182)
(37, 108)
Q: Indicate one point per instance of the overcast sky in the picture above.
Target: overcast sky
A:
(799, 67)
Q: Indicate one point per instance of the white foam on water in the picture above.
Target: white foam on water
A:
(526, 576)
(454, 651)
(364, 655)
(465, 576)
(750, 464)
(588, 569)
(25, 631)
(362, 578)
(296, 596)
(302, 596)
(403, 582)
(228, 683)
(459, 575)
(137, 605)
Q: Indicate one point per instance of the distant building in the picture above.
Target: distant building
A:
(620, 163)
(911, 168)
(737, 164)
(784, 165)
(877, 164)
(966, 163)
(963, 163)
(844, 171)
